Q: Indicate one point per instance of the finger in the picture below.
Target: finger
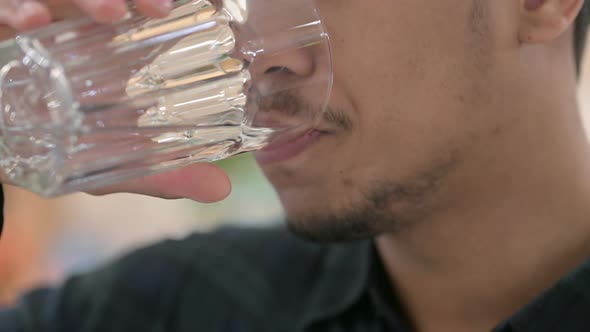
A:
(202, 182)
(24, 15)
(106, 11)
(154, 8)
(63, 10)
(7, 15)
(6, 32)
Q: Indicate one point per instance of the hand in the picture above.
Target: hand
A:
(27, 14)
(201, 182)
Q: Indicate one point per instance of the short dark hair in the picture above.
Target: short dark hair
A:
(581, 28)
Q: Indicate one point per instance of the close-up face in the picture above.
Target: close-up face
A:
(430, 97)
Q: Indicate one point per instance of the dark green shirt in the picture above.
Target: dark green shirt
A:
(240, 280)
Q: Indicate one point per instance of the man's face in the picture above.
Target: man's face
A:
(423, 93)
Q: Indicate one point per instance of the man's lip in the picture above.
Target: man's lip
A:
(282, 151)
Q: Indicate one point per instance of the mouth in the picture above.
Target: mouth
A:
(284, 150)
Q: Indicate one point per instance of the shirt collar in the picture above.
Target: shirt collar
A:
(344, 274)
(564, 307)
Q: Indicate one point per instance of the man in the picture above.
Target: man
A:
(448, 191)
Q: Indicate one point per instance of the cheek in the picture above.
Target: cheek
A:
(386, 57)
(410, 81)
(416, 90)
(403, 129)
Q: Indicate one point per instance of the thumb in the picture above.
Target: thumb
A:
(203, 182)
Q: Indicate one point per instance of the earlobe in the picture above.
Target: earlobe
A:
(546, 20)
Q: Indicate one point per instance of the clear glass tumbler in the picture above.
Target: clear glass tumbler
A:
(84, 105)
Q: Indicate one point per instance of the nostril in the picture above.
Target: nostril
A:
(278, 69)
(216, 3)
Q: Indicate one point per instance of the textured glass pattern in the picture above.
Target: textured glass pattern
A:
(85, 105)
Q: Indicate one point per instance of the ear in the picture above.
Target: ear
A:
(546, 20)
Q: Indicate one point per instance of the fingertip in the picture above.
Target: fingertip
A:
(208, 183)
(222, 189)
(111, 10)
(31, 15)
(154, 8)
(105, 11)
(204, 182)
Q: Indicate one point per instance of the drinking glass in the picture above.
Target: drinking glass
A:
(85, 105)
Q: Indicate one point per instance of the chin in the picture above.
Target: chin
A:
(324, 227)
(299, 201)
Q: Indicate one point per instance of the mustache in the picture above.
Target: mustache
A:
(289, 104)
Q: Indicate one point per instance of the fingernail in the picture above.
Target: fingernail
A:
(27, 10)
(164, 6)
(109, 10)
(30, 14)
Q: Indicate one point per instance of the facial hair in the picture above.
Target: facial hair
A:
(386, 206)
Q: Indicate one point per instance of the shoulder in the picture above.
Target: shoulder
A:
(245, 276)
(249, 253)
(253, 268)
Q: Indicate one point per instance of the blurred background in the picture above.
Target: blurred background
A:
(46, 240)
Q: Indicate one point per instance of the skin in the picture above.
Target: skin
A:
(458, 147)
(464, 155)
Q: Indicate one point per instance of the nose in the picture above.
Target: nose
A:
(292, 64)
(286, 70)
